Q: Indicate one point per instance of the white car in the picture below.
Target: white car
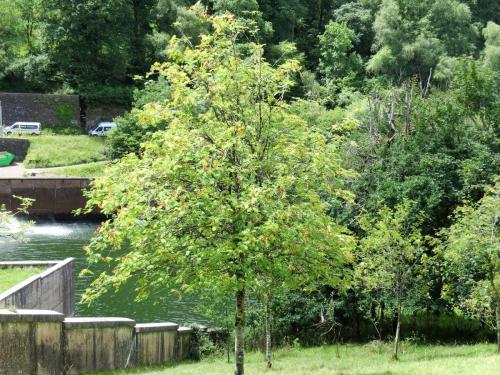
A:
(102, 128)
(33, 128)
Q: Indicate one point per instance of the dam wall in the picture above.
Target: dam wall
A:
(52, 196)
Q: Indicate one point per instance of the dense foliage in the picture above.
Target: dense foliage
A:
(405, 95)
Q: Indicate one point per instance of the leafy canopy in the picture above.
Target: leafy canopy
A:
(235, 189)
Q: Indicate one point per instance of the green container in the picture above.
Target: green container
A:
(6, 159)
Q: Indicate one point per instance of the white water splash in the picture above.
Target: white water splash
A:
(45, 229)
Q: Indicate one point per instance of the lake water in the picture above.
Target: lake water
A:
(51, 240)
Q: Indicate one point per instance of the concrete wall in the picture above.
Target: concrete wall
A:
(18, 147)
(30, 342)
(53, 289)
(97, 344)
(53, 196)
(41, 342)
(50, 110)
(156, 343)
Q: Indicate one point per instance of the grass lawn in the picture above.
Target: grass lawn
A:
(61, 150)
(87, 170)
(10, 277)
(367, 359)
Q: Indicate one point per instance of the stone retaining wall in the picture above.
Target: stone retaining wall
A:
(50, 110)
(18, 147)
(35, 342)
(53, 289)
(53, 196)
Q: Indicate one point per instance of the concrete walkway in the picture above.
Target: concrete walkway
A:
(17, 170)
(13, 171)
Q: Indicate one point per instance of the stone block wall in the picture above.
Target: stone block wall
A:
(95, 114)
(50, 110)
(51, 290)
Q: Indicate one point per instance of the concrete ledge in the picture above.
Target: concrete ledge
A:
(30, 316)
(184, 330)
(25, 263)
(156, 327)
(82, 323)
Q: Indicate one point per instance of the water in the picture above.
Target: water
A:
(51, 240)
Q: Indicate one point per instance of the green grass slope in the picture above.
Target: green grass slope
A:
(367, 359)
(62, 150)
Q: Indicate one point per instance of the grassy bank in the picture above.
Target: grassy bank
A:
(86, 170)
(367, 359)
(10, 277)
(61, 150)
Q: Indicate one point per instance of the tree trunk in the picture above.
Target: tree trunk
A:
(268, 333)
(239, 345)
(498, 323)
(396, 337)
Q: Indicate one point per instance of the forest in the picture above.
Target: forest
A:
(384, 120)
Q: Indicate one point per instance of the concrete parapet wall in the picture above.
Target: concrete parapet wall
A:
(156, 343)
(30, 342)
(52, 196)
(96, 344)
(184, 335)
(38, 342)
(53, 289)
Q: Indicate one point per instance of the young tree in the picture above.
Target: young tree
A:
(473, 259)
(234, 191)
(389, 261)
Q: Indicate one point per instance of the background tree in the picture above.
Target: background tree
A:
(235, 190)
(492, 46)
(389, 261)
(89, 41)
(412, 36)
(472, 257)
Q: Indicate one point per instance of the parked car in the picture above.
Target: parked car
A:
(33, 128)
(102, 128)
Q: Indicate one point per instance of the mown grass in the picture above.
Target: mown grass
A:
(62, 150)
(10, 277)
(351, 360)
(88, 170)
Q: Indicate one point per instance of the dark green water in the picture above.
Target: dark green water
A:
(50, 240)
